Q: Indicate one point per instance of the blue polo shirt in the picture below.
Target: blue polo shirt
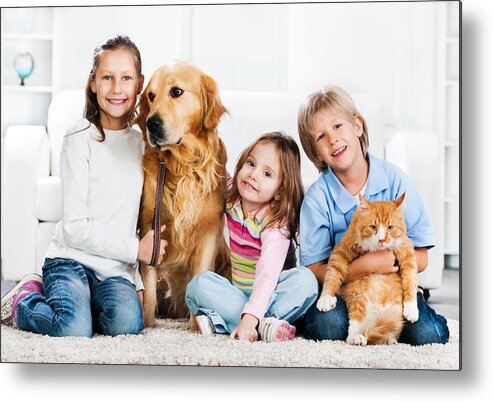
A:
(328, 208)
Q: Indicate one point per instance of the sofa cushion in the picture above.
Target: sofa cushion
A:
(252, 114)
(48, 204)
(65, 109)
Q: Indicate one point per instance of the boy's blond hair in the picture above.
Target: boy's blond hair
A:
(333, 99)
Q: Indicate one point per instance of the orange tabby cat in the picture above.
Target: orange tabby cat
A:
(376, 303)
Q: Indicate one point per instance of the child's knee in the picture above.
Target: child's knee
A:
(120, 320)
(199, 284)
(80, 326)
(329, 325)
(430, 327)
(133, 326)
(309, 281)
(306, 282)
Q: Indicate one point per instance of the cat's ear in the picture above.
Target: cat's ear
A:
(363, 204)
(400, 200)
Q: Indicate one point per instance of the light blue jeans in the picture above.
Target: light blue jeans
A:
(76, 303)
(212, 295)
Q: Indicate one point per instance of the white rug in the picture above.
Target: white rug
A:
(170, 343)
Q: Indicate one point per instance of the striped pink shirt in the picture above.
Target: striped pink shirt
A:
(257, 255)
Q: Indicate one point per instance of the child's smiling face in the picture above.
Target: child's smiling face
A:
(116, 86)
(337, 139)
(259, 178)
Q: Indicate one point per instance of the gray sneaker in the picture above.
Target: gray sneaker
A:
(29, 284)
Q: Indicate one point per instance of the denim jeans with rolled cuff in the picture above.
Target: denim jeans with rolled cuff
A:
(76, 303)
(212, 295)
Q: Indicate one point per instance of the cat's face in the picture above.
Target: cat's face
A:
(380, 224)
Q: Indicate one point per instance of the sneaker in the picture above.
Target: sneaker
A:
(205, 325)
(273, 330)
(29, 284)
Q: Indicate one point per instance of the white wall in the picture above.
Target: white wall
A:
(387, 50)
(352, 45)
(243, 47)
(374, 48)
(154, 29)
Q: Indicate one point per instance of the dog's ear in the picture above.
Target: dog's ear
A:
(213, 109)
(142, 113)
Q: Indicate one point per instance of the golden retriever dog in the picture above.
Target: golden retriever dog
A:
(179, 111)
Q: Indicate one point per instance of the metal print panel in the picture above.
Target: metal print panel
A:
(270, 119)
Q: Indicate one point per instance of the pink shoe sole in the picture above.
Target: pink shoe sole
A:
(284, 332)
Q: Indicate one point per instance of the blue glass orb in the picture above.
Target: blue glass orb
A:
(23, 65)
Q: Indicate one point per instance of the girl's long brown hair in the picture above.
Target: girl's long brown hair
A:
(286, 211)
(91, 109)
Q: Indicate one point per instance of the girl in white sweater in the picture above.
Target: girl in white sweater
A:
(89, 275)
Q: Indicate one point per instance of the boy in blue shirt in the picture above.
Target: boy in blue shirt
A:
(334, 136)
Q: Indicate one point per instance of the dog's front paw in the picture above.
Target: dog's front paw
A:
(149, 320)
(357, 340)
(411, 312)
(326, 303)
(193, 324)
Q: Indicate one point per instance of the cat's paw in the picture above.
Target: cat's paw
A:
(410, 311)
(326, 303)
(391, 341)
(357, 340)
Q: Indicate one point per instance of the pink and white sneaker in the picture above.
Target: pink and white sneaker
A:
(29, 284)
(273, 330)
(205, 325)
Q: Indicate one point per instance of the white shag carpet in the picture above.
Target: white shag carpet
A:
(171, 343)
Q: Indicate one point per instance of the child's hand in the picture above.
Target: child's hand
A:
(246, 330)
(145, 247)
(379, 262)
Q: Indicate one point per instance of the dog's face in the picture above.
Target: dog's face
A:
(179, 101)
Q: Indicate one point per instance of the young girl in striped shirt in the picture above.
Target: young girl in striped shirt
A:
(262, 210)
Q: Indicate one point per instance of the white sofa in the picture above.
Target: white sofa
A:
(31, 184)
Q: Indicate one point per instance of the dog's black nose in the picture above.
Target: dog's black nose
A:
(154, 124)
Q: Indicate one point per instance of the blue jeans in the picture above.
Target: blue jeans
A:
(76, 303)
(214, 296)
(333, 325)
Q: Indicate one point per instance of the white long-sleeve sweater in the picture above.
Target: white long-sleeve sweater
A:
(101, 190)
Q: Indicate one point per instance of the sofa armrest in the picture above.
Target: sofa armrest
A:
(423, 165)
(26, 159)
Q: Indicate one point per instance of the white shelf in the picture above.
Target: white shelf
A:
(448, 74)
(26, 36)
(27, 30)
(27, 88)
